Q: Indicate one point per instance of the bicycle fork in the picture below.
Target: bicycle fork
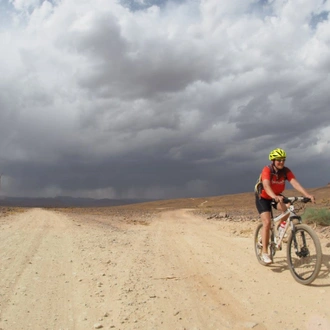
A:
(303, 251)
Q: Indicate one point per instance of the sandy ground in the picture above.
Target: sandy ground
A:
(174, 271)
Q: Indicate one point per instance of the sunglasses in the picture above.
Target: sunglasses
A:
(281, 160)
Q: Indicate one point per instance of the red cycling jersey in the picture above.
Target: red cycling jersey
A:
(277, 182)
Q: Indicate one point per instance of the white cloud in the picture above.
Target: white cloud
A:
(195, 82)
(24, 4)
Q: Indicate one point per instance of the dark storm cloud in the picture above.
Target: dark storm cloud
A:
(160, 99)
(140, 71)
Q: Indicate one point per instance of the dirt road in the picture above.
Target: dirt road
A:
(177, 271)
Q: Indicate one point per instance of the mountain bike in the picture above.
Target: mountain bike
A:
(304, 253)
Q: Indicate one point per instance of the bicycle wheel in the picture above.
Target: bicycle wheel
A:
(258, 245)
(304, 254)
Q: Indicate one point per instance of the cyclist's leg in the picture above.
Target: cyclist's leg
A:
(265, 218)
(264, 208)
(282, 207)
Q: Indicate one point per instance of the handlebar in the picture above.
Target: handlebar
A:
(291, 200)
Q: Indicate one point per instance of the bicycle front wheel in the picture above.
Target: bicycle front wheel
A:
(304, 254)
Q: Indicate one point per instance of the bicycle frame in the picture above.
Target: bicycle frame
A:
(289, 222)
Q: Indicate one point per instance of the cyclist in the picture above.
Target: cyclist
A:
(273, 184)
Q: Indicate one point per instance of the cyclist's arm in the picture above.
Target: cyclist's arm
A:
(296, 185)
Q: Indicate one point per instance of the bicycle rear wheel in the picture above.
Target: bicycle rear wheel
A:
(304, 254)
(258, 245)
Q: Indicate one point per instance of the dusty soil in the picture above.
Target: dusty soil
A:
(165, 268)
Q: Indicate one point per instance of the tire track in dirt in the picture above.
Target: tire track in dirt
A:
(191, 257)
(36, 273)
(16, 257)
(177, 271)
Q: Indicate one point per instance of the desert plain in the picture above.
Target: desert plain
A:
(186, 264)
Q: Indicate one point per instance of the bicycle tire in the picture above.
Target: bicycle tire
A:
(305, 263)
(258, 245)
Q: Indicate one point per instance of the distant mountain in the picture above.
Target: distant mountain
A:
(66, 201)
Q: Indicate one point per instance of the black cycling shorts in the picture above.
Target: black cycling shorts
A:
(264, 205)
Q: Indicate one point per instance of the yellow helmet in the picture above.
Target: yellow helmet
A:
(277, 153)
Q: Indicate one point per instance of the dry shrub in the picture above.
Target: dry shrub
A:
(318, 216)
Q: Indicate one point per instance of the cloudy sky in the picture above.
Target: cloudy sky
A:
(159, 98)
